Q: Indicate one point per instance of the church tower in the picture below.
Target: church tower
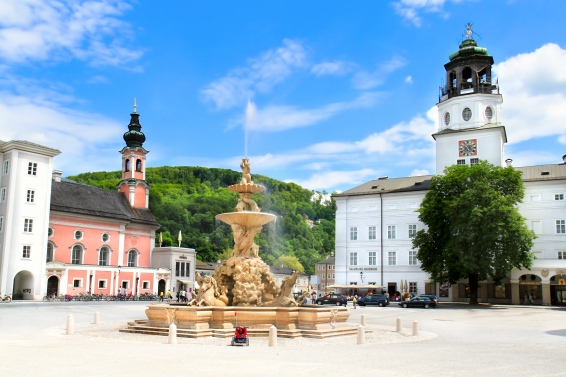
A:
(469, 110)
(133, 183)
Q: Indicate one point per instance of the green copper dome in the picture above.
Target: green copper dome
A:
(468, 47)
(134, 137)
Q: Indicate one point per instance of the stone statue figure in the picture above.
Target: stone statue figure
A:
(244, 245)
(246, 175)
(246, 203)
(209, 294)
(285, 298)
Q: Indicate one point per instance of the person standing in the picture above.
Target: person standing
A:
(169, 297)
(354, 300)
(161, 296)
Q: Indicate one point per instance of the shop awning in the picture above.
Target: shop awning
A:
(186, 282)
(353, 286)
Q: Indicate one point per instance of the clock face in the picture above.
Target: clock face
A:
(468, 147)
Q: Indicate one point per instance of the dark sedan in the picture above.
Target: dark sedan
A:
(374, 299)
(419, 302)
(430, 297)
(333, 299)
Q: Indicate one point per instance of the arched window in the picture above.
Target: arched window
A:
(49, 255)
(77, 255)
(467, 75)
(132, 258)
(127, 166)
(138, 165)
(103, 255)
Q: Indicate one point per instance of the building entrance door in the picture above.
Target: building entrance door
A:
(53, 286)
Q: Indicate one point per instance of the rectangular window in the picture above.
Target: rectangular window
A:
(28, 225)
(536, 226)
(328, 276)
(77, 283)
(372, 234)
(354, 233)
(26, 252)
(3, 194)
(461, 162)
(558, 196)
(6, 168)
(1, 223)
(391, 232)
(562, 255)
(372, 258)
(103, 257)
(182, 269)
(560, 226)
(412, 230)
(353, 259)
(30, 197)
(102, 284)
(392, 258)
(333, 276)
(412, 258)
(145, 285)
(413, 287)
(32, 168)
(474, 161)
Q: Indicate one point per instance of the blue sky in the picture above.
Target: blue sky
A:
(340, 92)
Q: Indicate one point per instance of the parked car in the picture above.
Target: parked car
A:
(423, 302)
(374, 299)
(430, 297)
(334, 299)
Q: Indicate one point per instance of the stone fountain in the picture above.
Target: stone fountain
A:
(243, 287)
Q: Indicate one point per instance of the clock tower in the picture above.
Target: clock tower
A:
(469, 110)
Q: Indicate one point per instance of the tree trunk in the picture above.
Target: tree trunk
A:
(473, 281)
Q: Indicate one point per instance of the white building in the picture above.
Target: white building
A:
(376, 221)
(25, 191)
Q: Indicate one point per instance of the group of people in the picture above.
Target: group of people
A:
(182, 296)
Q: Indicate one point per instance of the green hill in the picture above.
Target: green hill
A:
(187, 199)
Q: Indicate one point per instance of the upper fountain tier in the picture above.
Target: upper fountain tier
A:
(246, 188)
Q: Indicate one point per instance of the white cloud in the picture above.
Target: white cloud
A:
(336, 68)
(260, 75)
(411, 9)
(534, 89)
(409, 79)
(39, 30)
(281, 118)
(336, 178)
(419, 172)
(368, 80)
(562, 139)
(80, 136)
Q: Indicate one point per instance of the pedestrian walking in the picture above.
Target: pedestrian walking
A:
(161, 296)
(169, 297)
(354, 300)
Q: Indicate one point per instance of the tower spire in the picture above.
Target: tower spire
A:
(135, 106)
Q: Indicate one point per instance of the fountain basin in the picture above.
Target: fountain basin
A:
(246, 219)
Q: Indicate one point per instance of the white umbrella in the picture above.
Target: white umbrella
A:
(160, 238)
(180, 238)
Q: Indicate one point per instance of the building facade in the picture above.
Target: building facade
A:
(376, 221)
(62, 237)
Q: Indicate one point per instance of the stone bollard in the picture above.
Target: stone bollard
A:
(363, 322)
(415, 328)
(398, 325)
(172, 334)
(96, 318)
(361, 335)
(70, 325)
(272, 336)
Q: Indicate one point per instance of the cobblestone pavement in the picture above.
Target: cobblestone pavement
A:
(454, 340)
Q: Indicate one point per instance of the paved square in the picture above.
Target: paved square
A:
(454, 340)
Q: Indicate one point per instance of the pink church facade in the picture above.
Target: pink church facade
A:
(101, 241)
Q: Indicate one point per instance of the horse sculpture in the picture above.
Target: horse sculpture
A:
(209, 294)
(285, 298)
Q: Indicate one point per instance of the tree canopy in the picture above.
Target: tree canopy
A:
(475, 230)
(188, 198)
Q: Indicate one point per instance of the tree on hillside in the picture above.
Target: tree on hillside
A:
(289, 261)
(474, 230)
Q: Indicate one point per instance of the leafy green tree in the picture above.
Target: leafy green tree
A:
(474, 230)
(289, 261)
